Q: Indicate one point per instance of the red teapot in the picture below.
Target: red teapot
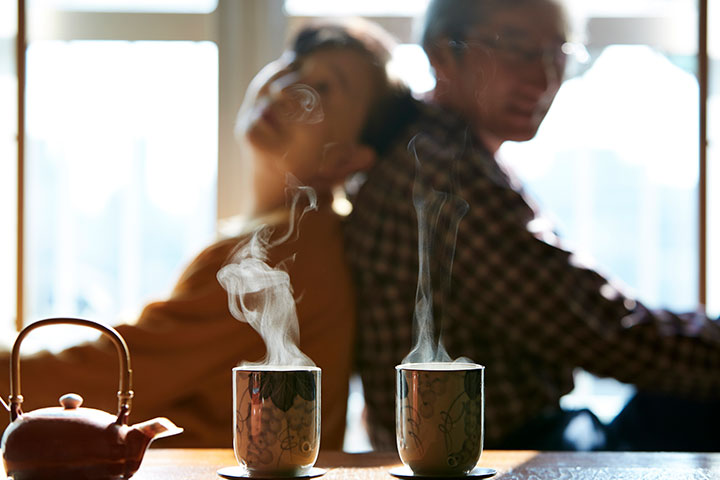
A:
(73, 442)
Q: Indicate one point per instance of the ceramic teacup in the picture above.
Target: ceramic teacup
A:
(439, 417)
(276, 419)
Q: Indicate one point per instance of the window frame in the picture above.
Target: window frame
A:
(239, 29)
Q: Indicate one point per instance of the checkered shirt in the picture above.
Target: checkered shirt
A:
(518, 303)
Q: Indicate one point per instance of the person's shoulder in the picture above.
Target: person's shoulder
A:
(433, 115)
(208, 262)
(436, 138)
(436, 129)
(440, 136)
(219, 251)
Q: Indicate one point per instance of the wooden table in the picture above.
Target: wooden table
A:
(197, 464)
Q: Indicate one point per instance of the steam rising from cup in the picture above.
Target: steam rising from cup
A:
(438, 217)
(262, 295)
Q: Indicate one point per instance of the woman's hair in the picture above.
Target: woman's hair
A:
(392, 105)
(354, 34)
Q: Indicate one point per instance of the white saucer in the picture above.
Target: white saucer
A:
(241, 472)
(477, 472)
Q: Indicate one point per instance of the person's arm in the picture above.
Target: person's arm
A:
(550, 307)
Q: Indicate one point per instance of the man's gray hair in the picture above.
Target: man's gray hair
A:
(452, 20)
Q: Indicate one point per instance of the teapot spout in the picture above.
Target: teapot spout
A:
(139, 437)
(157, 428)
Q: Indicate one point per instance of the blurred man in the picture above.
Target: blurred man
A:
(517, 302)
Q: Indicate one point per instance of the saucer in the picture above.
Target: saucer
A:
(477, 472)
(241, 472)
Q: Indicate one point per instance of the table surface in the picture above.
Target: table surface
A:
(197, 464)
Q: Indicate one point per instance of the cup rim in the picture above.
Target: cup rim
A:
(440, 366)
(276, 368)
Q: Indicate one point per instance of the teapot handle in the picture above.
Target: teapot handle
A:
(124, 393)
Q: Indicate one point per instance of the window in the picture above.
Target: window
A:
(616, 158)
(713, 173)
(8, 154)
(121, 156)
(121, 165)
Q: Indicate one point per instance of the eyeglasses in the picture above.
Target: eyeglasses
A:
(520, 52)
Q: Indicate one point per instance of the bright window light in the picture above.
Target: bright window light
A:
(8, 177)
(121, 171)
(616, 162)
(410, 64)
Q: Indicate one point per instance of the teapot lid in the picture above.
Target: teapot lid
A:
(70, 410)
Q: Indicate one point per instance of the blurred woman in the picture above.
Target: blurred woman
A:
(315, 114)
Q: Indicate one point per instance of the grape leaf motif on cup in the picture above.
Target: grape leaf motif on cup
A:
(283, 387)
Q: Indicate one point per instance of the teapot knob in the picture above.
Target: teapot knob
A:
(71, 401)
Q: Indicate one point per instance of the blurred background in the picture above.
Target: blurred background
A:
(127, 163)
